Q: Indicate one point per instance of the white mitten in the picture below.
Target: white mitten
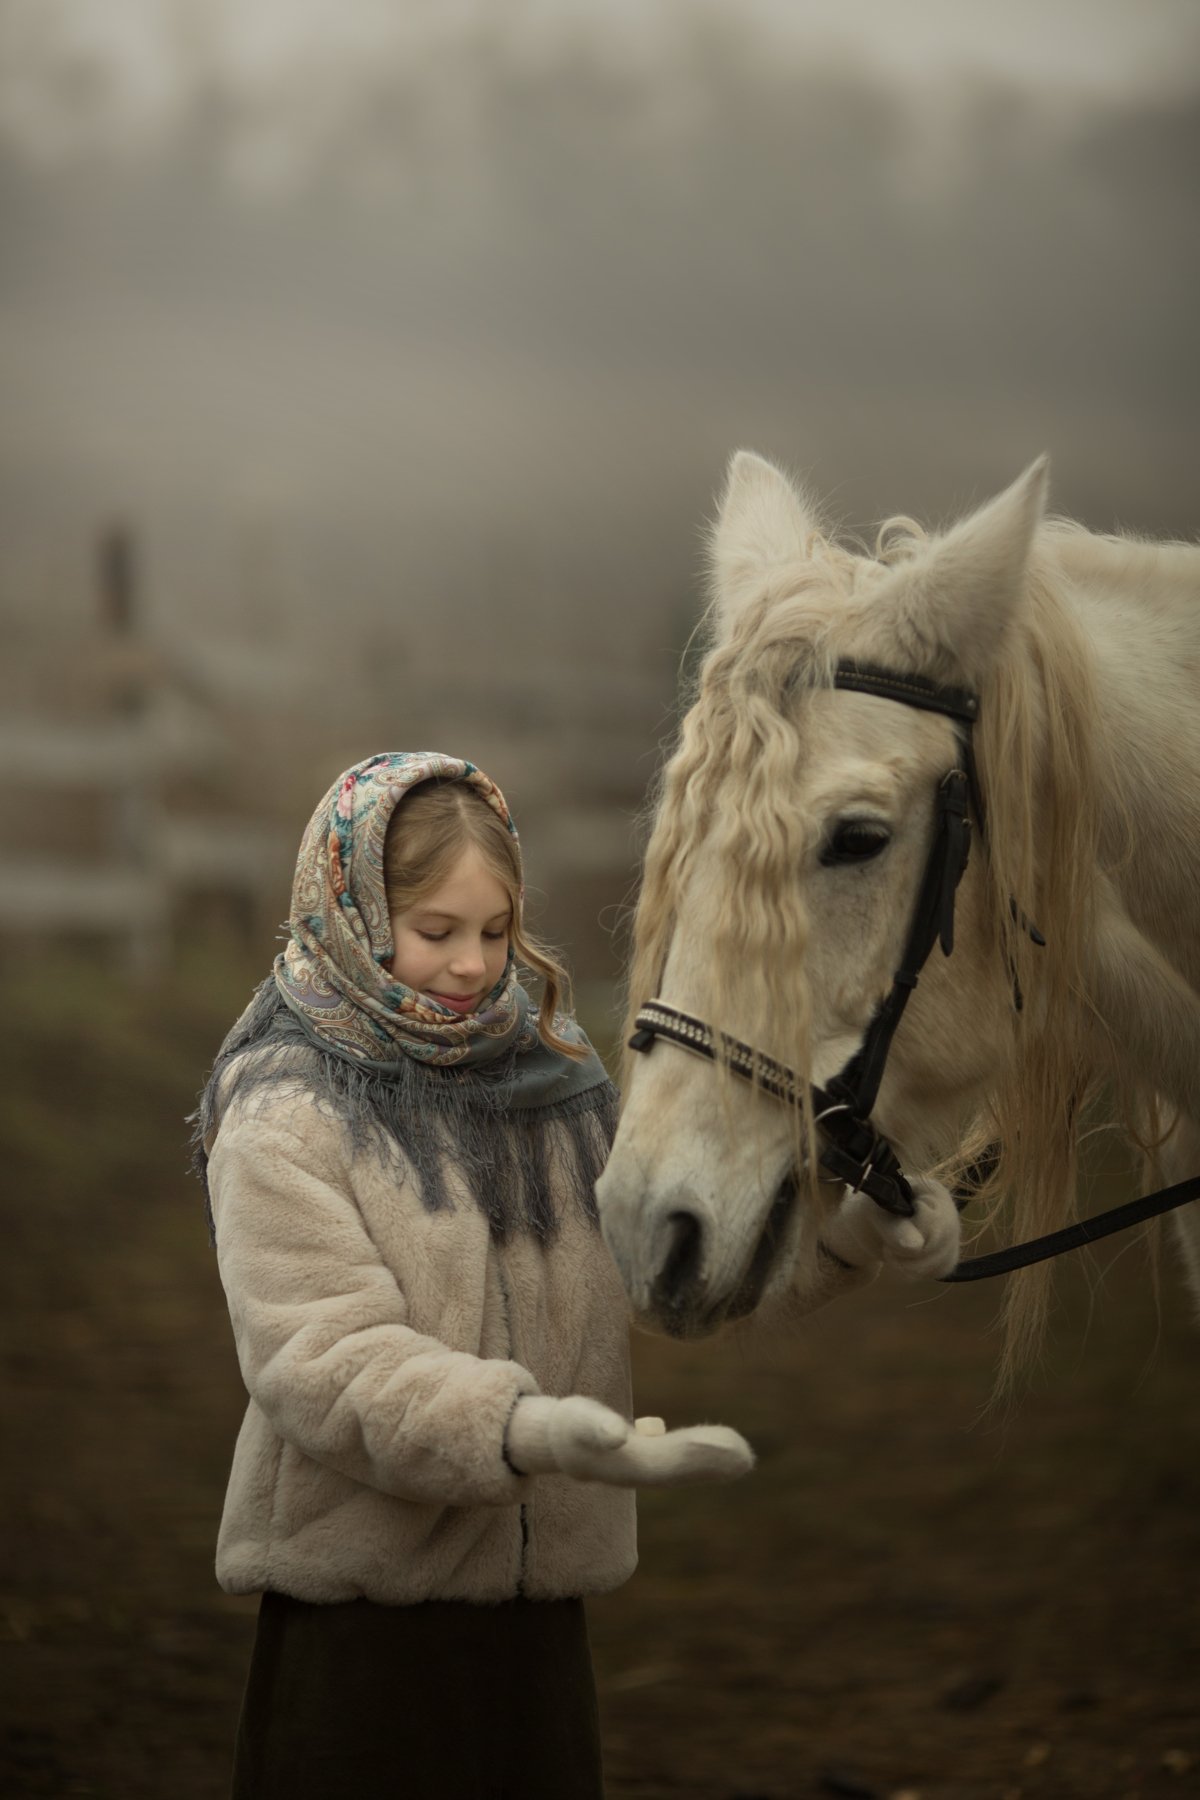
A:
(925, 1246)
(583, 1438)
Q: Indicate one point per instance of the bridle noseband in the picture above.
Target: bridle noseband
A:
(854, 1152)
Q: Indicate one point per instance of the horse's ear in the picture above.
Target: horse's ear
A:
(762, 522)
(963, 591)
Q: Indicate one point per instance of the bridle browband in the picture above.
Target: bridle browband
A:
(854, 1152)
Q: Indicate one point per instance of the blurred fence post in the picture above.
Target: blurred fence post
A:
(137, 799)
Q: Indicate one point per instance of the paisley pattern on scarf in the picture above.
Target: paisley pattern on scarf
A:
(334, 972)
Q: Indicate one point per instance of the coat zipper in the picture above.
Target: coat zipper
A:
(523, 1510)
(524, 1548)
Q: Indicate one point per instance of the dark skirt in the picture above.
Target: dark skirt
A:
(441, 1701)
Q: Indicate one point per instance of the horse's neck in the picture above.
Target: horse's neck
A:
(1138, 609)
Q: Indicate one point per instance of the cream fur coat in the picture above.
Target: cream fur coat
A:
(383, 1348)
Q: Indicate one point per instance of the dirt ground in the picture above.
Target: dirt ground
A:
(901, 1600)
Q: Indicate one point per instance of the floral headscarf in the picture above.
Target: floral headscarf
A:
(334, 971)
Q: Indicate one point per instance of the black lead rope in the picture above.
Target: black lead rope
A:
(1073, 1237)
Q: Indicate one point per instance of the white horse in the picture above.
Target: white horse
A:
(792, 828)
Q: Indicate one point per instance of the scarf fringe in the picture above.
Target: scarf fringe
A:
(422, 1120)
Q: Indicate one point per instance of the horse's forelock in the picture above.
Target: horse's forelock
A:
(732, 780)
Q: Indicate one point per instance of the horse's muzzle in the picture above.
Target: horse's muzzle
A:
(677, 1293)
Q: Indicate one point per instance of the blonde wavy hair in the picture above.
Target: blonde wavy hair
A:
(426, 835)
(730, 781)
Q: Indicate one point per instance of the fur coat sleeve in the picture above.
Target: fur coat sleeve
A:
(322, 1329)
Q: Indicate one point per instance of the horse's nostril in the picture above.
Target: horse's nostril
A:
(682, 1263)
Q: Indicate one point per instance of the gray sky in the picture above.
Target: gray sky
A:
(292, 78)
(460, 299)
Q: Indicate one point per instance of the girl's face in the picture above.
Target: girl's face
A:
(452, 943)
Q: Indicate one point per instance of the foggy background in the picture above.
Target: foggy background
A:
(406, 344)
(367, 372)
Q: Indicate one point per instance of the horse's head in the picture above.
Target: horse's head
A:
(780, 883)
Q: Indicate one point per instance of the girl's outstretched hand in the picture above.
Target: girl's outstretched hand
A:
(583, 1438)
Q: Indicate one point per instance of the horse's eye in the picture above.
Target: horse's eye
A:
(855, 841)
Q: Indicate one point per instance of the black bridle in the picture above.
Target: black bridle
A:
(853, 1151)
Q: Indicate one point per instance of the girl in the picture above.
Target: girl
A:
(436, 1460)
